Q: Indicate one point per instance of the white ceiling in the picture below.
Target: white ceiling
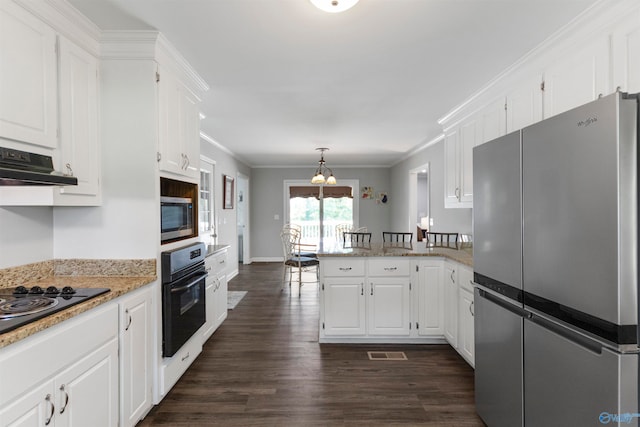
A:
(369, 83)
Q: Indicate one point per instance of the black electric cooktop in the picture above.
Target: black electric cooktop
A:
(22, 305)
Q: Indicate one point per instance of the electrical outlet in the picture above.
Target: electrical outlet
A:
(276, 217)
(430, 222)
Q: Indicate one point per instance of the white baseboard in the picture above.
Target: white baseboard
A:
(267, 259)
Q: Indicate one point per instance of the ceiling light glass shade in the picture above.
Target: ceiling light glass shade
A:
(334, 6)
(322, 170)
(318, 178)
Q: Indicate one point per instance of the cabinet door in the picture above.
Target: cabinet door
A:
(468, 140)
(524, 104)
(430, 298)
(190, 132)
(466, 341)
(28, 109)
(34, 409)
(451, 304)
(344, 306)
(451, 168)
(625, 42)
(87, 392)
(577, 78)
(493, 121)
(389, 306)
(211, 316)
(78, 124)
(221, 296)
(170, 150)
(135, 357)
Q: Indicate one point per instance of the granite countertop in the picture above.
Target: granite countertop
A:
(462, 252)
(214, 249)
(120, 276)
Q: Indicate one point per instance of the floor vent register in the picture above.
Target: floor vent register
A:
(387, 355)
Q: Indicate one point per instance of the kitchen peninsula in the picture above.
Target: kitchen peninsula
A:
(395, 293)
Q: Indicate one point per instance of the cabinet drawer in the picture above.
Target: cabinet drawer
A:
(465, 277)
(216, 263)
(389, 267)
(173, 368)
(342, 267)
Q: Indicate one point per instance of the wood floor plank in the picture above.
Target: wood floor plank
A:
(265, 367)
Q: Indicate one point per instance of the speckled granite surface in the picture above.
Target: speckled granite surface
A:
(462, 253)
(120, 276)
(214, 249)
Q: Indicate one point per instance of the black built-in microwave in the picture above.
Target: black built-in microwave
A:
(176, 218)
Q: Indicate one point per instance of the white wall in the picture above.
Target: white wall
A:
(444, 220)
(268, 200)
(26, 235)
(227, 226)
(127, 225)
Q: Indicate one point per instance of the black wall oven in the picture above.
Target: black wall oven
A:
(183, 295)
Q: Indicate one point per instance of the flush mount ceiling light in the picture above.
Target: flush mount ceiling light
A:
(322, 170)
(334, 6)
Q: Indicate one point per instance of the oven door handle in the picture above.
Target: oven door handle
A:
(190, 284)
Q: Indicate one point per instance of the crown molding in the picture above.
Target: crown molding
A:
(151, 45)
(419, 148)
(67, 21)
(593, 21)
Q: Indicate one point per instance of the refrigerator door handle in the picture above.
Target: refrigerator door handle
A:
(581, 340)
(500, 301)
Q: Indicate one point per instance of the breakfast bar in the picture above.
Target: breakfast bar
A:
(397, 293)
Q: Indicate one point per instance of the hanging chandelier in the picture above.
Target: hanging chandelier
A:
(334, 6)
(322, 170)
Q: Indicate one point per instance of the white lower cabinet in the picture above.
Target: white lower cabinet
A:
(389, 299)
(365, 299)
(451, 303)
(136, 376)
(76, 384)
(344, 312)
(430, 316)
(397, 300)
(215, 293)
(466, 338)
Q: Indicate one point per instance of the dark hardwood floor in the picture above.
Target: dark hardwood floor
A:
(265, 367)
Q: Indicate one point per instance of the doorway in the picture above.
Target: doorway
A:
(206, 204)
(419, 209)
(318, 209)
(243, 219)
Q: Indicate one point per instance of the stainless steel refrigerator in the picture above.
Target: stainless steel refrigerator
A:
(556, 270)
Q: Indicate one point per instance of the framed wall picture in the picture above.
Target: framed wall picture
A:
(227, 194)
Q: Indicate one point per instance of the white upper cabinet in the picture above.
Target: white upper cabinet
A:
(492, 121)
(179, 121)
(524, 104)
(458, 179)
(625, 42)
(79, 150)
(579, 77)
(28, 104)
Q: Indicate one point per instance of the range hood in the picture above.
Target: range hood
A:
(23, 168)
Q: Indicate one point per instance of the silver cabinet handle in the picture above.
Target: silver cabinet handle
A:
(185, 357)
(208, 269)
(452, 278)
(457, 193)
(222, 261)
(390, 268)
(53, 410)
(345, 268)
(471, 309)
(69, 170)
(372, 289)
(66, 399)
(130, 320)
(361, 288)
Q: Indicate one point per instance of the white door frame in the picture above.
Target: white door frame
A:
(413, 191)
(246, 242)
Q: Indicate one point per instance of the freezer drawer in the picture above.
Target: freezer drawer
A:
(573, 381)
(498, 362)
